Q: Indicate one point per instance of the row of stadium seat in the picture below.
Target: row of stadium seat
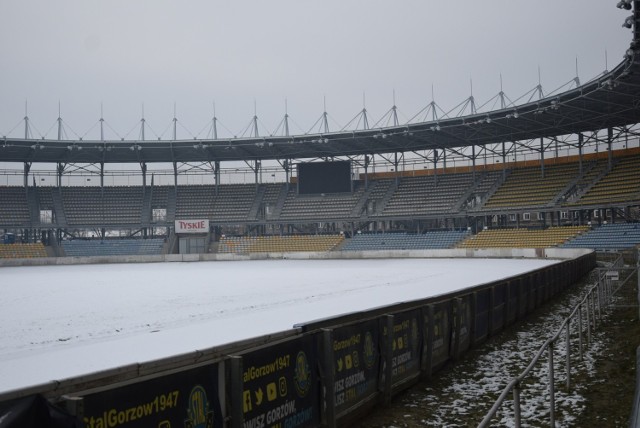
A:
(278, 244)
(403, 241)
(22, 251)
(113, 247)
(523, 238)
(421, 195)
(608, 237)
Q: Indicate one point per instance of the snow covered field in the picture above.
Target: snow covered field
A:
(61, 321)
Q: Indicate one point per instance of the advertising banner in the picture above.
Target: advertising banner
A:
(406, 349)
(482, 315)
(357, 363)
(187, 399)
(281, 386)
(192, 226)
(465, 322)
(441, 336)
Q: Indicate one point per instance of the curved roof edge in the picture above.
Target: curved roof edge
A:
(611, 100)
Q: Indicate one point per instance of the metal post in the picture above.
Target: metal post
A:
(568, 353)
(237, 393)
(580, 330)
(542, 156)
(580, 144)
(552, 398)
(609, 143)
(588, 321)
(516, 404)
(599, 305)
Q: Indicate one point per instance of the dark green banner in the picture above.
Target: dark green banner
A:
(281, 386)
(441, 336)
(357, 362)
(406, 349)
(187, 399)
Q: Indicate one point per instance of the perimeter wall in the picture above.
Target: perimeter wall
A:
(322, 373)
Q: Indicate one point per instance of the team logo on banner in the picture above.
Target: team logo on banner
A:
(302, 377)
(199, 413)
(369, 352)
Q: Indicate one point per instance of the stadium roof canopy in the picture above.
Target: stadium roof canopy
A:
(611, 100)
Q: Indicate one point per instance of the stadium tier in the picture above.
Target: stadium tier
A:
(620, 185)
(22, 251)
(530, 187)
(523, 238)
(520, 206)
(113, 247)
(404, 241)
(279, 244)
(608, 237)
(556, 188)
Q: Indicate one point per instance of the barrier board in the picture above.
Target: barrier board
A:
(441, 334)
(356, 363)
(464, 317)
(187, 399)
(406, 352)
(280, 385)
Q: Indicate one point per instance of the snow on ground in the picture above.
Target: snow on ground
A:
(61, 321)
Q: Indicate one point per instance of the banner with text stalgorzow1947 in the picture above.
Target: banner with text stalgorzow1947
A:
(187, 399)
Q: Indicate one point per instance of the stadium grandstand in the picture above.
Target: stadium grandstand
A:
(559, 170)
(555, 170)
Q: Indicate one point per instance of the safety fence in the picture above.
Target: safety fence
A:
(635, 412)
(583, 320)
(327, 372)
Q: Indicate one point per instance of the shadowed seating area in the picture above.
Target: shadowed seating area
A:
(22, 251)
(608, 237)
(404, 241)
(279, 244)
(523, 238)
(113, 247)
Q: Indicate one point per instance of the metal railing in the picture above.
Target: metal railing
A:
(635, 411)
(588, 314)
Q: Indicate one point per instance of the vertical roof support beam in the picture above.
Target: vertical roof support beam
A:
(27, 168)
(175, 176)
(473, 162)
(609, 144)
(504, 161)
(216, 175)
(542, 157)
(580, 145)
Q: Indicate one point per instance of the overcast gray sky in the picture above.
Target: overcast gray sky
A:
(123, 53)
